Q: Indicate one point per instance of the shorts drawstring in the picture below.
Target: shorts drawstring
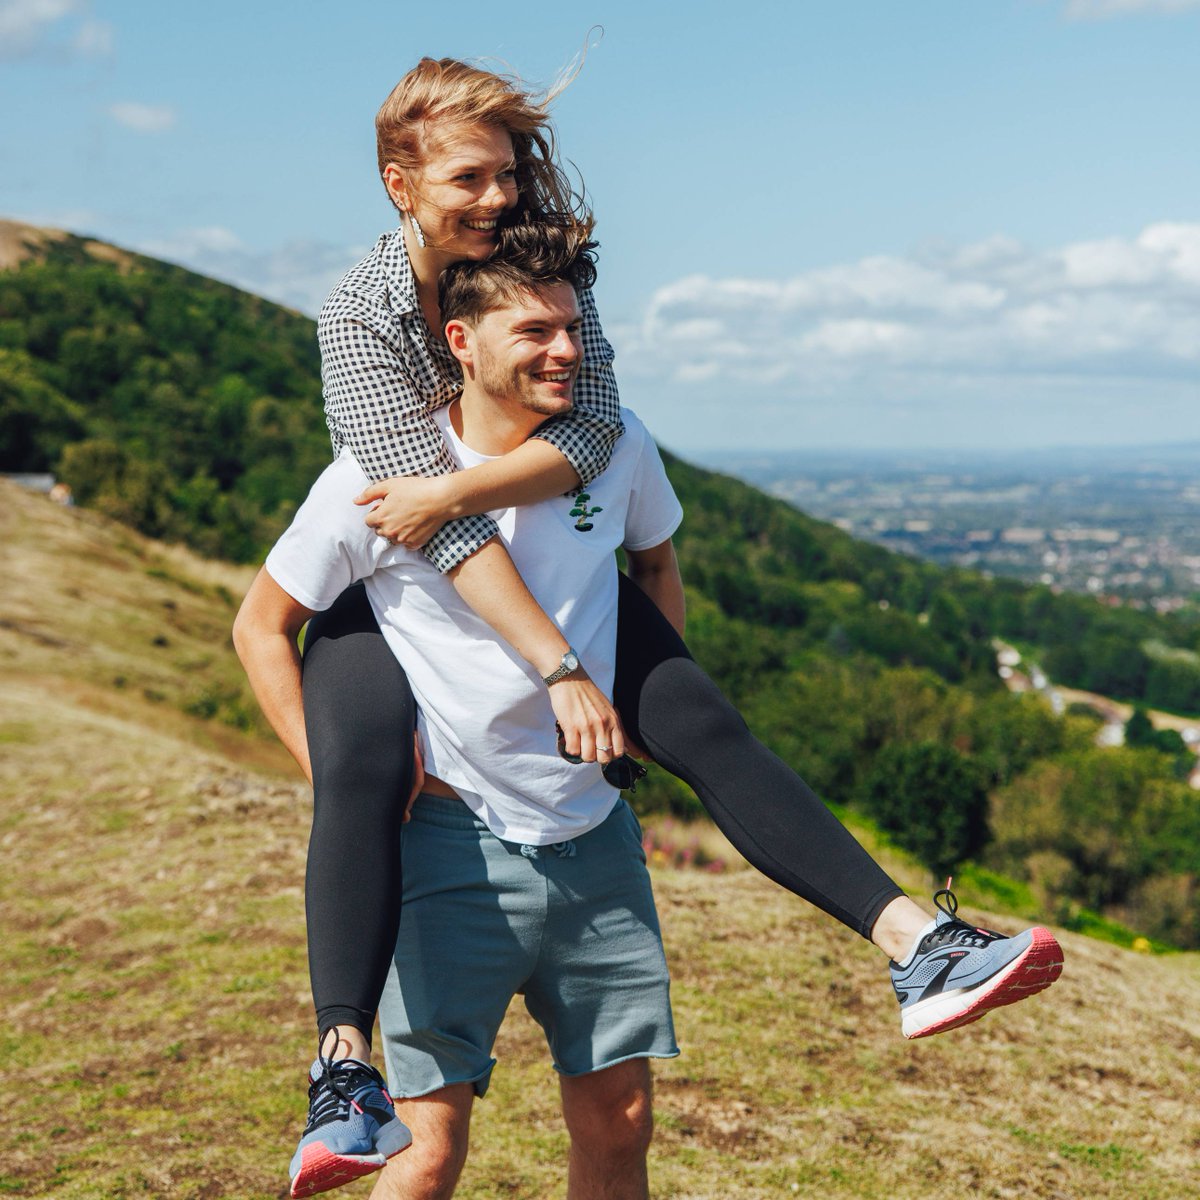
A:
(562, 849)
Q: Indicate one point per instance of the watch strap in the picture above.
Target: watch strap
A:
(569, 663)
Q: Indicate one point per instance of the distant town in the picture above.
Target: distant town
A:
(1121, 524)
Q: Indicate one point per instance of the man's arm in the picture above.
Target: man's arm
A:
(264, 636)
(656, 572)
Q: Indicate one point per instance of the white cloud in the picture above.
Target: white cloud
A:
(144, 118)
(298, 274)
(53, 27)
(94, 39)
(1098, 10)
(990, 311)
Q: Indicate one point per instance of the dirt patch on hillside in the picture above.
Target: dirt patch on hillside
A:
(19, 242)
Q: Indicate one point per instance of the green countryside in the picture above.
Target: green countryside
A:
(153, 830)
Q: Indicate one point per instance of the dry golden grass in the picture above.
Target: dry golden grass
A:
(155, 989)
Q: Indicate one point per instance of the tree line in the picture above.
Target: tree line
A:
(191, 410)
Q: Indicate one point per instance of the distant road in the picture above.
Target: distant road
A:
(1115, 711)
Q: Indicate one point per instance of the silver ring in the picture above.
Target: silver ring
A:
(606, 749)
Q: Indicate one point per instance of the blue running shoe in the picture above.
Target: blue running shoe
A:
(957, 973)
(352, 1127)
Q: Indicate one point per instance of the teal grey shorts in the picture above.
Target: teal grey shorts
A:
(572, 927)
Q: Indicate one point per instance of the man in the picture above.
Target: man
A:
(522, 871)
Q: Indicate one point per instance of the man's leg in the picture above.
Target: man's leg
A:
(430, 1167)
(610, 1120)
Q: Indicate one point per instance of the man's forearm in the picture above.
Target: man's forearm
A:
(661, 581)
(272, 664)
(264, 636)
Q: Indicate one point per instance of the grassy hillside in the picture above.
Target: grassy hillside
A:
(155, 990)
(190, 411)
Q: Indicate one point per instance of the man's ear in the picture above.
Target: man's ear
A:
(460, 337)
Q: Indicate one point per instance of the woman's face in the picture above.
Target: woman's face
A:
(467, 180)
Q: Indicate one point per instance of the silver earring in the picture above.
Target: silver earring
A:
(418, 233)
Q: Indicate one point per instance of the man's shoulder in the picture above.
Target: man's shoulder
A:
(632, 444)
(632, 421)
(332, 493)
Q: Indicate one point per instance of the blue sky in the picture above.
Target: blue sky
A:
(836, 224)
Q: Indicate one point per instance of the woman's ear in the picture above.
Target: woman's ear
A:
(397, 186)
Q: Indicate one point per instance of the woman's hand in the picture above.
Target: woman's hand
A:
(408, 510)
(418, 779)
(591, 728)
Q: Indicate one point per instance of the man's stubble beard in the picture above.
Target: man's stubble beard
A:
(511, 386)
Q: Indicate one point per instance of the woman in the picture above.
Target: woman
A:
(460, 151)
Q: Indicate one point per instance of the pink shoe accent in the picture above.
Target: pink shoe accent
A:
(321, 1170)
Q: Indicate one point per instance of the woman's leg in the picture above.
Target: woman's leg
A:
(774, 819)
(359, 713)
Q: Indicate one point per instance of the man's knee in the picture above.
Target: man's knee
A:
(430, 1167)
(610, 1114)
(419, 1173)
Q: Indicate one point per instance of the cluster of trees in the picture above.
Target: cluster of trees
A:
(1120, 652)
(874, 675)
(1114, 829)
(182, 406)
(760, 559)
(192, 411)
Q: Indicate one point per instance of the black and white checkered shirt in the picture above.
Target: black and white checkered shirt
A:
(384, 373)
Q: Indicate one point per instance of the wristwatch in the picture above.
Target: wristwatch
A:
(570, 662)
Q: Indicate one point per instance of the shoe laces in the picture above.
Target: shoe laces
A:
(328, 1097)
(955, 929)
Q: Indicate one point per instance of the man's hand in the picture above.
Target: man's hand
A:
(409, 510)
(418, 780)
(591, 728)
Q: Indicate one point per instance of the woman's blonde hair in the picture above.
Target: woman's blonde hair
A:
(446, 91)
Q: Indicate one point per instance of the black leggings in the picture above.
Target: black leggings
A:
(358, 709)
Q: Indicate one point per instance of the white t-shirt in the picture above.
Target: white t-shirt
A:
(485, 720)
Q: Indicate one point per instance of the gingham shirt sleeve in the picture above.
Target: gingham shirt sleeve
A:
(585, 437)
(380, 405)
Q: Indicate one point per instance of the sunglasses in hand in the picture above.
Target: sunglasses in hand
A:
(622, 773)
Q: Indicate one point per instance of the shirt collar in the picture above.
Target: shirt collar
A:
(398, 273)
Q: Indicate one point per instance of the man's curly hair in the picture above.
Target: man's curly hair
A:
(528, 256)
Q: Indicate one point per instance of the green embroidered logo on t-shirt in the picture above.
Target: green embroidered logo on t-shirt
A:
(582, 512)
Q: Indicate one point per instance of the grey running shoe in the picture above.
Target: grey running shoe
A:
(956, 972)
(352, 1127)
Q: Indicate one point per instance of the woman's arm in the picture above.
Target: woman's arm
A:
(380, 404)
(567, 452)
(376, 407)
(588, 719)
(411, 510)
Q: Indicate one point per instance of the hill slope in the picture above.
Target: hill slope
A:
(155, 986)
(189, 410)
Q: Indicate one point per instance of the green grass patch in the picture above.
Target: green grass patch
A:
(177, 580)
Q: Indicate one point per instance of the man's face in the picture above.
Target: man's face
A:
(529, 352)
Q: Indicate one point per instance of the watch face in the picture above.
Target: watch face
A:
(571, 662)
